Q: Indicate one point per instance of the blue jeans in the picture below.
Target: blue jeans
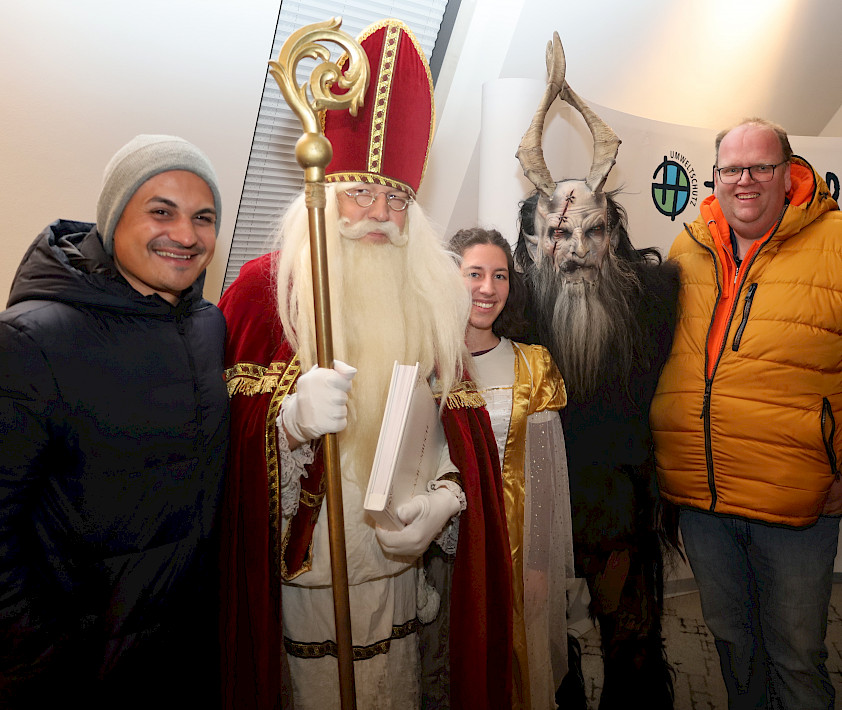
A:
(765, 592)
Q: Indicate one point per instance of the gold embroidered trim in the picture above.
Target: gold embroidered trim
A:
(464, 394)
(432, 104)
(360, 653)
(380, 107)
(311, 500)
(395, 24)
(278, 378)
(250, 379)
(392, 26)
(372, 179)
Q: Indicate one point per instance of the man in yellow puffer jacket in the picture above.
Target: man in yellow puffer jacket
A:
(744, 415)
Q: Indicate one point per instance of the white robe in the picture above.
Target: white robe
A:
(383, 595)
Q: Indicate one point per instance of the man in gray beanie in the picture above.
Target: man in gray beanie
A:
(113, 439)
(140, 159)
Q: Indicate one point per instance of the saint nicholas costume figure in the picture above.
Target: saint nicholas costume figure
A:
(395, 295)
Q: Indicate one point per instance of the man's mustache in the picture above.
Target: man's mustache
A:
(164, 244)
(358, 230)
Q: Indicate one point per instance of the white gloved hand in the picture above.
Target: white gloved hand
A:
(424, 516)
(320, 404)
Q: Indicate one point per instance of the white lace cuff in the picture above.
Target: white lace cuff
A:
(448, 538)
(292, 469)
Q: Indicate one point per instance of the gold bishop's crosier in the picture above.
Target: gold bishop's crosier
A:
(313, 152)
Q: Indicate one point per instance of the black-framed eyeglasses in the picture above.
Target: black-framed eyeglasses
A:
(758, 173)
(365, 198)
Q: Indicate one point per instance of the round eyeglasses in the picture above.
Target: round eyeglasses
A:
(758, 173)
(365, 198)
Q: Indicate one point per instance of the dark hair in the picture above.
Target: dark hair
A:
(526, 226)
(618, 229)
(511, 322)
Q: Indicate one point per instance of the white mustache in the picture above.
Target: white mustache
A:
(358, 230)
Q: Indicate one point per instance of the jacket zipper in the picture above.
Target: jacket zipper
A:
(827, 414)
(705, 415)
(738, 336)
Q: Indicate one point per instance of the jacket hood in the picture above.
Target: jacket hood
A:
(808, 199)
(67, 263)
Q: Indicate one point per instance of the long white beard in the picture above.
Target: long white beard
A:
(406, 303)
(378, 324)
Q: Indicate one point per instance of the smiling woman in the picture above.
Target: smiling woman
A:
(523, 391)
(486, 274)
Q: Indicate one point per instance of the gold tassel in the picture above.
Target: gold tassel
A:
(465, 395)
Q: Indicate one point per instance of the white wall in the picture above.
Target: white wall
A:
(704, 64)
(79, 79)
(834, 125)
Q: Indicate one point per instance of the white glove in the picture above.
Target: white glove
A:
(320, 404)
(424, 516)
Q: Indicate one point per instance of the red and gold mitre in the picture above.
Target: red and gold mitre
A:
(388, 141)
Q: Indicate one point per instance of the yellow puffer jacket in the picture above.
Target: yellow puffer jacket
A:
(758, 438)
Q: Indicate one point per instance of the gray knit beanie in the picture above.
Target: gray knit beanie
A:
(144, 157)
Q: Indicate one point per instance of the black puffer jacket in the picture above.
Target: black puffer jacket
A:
(113, 437)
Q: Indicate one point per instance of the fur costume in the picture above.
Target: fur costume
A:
(617, 523)
(606, 312)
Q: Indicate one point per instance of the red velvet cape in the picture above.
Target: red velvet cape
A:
(251, 624)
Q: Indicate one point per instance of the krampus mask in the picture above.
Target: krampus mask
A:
(575, 251)
(571, 221)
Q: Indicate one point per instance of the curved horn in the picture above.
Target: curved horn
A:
(530, 153)
(605, 141)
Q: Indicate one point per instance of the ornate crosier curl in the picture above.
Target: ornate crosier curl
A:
(326, 77)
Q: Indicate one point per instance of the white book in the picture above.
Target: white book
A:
(408, 449)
